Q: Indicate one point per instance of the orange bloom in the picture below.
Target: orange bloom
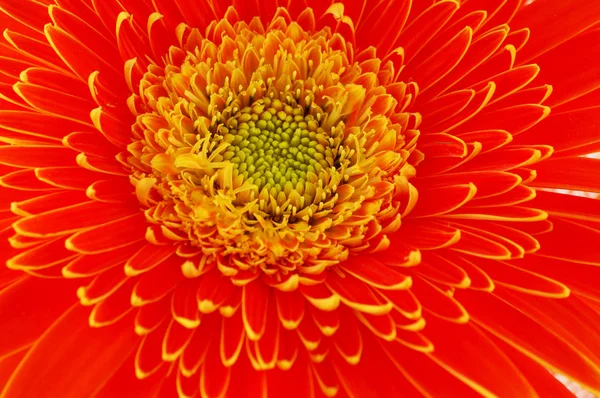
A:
(299, 198)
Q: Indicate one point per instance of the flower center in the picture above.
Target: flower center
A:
(281, 149)
(272, 149)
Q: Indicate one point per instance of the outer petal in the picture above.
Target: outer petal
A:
(72, 359)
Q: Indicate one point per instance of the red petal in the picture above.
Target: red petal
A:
(578, 174)
(204, 337)
(57, 361)
(424, 27)
(24, 180)
(67, 177)
(267, 348)
(30, 13)
(59, 81)
(438, 302)
(213, 291)
(348, 341)
(571, 241)
(255, 301)
(45, 203)
(102, 286)
(290, 307)
(569, 319)
(319, 296)
(109, 236)
(441, 200)
(544, 382)
(403, 301)
(375, 273)
(156, 284)
(232, 339)
(38, 124)
(520, 279)
(148, 358)
(382, 326)
(183, 304)
(538, 15)
(47, 254)
(36, 50)
(55, 102)
(91, 144)
(510, 82)
(175, 340)
(95, 264)
(426, 235)
(326, 378)
(150, 316)
(147, 258)
(214, 376)
(488, 183)
(438, 65)
(421, 369)
(69, 219)
(439, 269)
(81, 59)
(479, 50)
(356, 294)
(529, 337)
(29, 307)
(481, 364)
(36, 156)
(113, 308)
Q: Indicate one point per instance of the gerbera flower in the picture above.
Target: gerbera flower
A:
(299, 198)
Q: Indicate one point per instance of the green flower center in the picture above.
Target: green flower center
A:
(280, 148)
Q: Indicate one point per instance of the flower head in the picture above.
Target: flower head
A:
(214, 198)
